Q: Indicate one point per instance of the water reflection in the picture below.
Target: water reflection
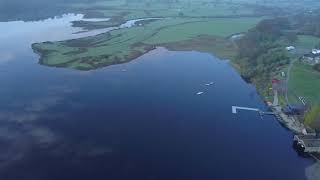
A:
(142, 123)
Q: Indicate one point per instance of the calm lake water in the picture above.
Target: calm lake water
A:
(139, 120)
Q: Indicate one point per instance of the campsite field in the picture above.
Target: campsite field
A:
(305, 82)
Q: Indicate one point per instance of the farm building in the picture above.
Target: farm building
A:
(275, 81)
(311, 58)
(315, 51)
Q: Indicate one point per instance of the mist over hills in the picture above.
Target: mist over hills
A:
(40, 9)
(34, 9)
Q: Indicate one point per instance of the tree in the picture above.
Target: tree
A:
(317, 67)
(312, 115)
(291, 37)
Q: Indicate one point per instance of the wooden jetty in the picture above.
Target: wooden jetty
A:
(236, 108)
(309, 143)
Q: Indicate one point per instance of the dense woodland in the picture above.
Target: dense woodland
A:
(308, 23)
(259, 53)
(316, 67)
(261, 50)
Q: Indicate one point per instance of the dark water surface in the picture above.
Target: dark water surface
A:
(140, 120)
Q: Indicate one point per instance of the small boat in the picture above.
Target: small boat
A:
(199, 93)
(209, 84)
(124, 70)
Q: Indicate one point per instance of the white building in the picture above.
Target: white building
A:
(315, 51)
(311, 58)
(290, 48)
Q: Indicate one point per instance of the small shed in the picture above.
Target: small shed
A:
(311, 58)
(275, 81)
(294, 109)
(315, 51)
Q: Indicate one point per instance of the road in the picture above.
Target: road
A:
(288, 78)
(275, 99)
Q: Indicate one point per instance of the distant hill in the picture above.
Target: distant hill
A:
(35, 9)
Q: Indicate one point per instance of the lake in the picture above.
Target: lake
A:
(139, 120)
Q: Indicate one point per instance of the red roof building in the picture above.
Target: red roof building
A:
(275, 81)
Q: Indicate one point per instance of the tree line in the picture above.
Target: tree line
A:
(259, 53)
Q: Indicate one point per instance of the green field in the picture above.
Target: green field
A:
(183, 7)
(123, 45)
(307, 42)
(305, 81)
(121, 11)
(222, 27)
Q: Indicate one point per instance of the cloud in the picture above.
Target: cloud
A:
(21, 133)
(43, 104)
(42, 135)
(18, 117)
(30, 112)
(5, 57)
(17, 142)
